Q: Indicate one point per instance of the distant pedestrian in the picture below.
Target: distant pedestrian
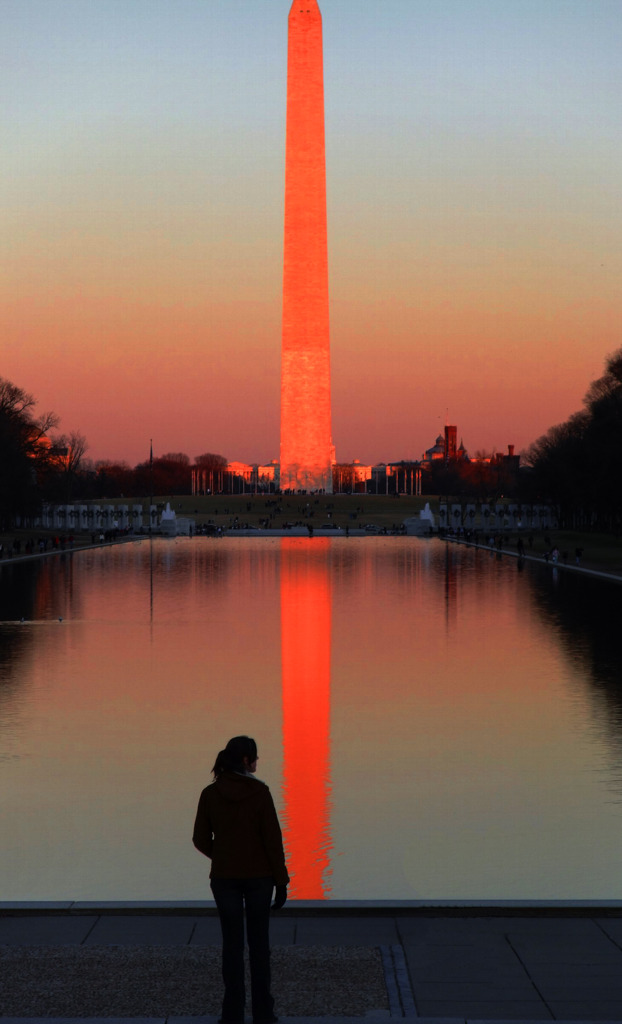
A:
(578, 555)
(237, 827)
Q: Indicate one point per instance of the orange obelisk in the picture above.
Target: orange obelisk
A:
(305, 462)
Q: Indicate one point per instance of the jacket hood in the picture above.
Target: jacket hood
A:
(234, 786)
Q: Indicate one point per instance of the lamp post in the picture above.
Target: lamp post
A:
(150, 479)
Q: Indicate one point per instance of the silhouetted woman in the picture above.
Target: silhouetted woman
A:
(237, 827)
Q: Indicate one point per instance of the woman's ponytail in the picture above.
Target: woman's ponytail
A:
(231, 759)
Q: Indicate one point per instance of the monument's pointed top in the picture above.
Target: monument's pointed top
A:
(304, 7)
(305, 12)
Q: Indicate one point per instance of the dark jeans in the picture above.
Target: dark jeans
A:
(233, 896)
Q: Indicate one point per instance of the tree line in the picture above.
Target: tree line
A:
(35, 462)
(164, 474)
(38, 464)
(577, 465)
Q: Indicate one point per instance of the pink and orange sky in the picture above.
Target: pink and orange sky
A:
(474, 156)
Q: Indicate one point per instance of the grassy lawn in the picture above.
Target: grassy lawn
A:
(354, 510)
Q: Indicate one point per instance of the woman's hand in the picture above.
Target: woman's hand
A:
(280, 897)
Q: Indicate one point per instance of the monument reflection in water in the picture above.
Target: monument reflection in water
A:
(305, 660)
(433, 723)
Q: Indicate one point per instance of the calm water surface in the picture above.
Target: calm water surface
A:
(433, 722)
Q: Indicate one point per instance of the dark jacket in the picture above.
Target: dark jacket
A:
(237, 827)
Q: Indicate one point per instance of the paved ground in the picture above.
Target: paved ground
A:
(460, 965)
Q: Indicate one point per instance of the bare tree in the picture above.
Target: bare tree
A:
(68, 450)
(24, 451)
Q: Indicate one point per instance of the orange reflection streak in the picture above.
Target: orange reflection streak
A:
(305, 661)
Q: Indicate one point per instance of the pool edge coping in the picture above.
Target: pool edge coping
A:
(337, 908)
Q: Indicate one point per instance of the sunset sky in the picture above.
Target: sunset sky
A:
(474, 157)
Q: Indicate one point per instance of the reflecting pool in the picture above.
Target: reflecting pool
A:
(434, 721)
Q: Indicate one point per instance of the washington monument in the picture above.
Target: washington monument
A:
(305, 462)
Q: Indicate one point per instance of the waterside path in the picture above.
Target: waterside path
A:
(447, 963)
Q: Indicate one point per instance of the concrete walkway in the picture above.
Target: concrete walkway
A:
(584, 569)
(466, 963)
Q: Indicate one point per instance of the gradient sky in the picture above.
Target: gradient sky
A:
(474, 155)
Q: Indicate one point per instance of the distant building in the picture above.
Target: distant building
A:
(437, 451)
(446, 447)
(268, 476)
(451, 444)
(403, 477)
(236, 478)
(350, 477)
(395, 478)
(509, 463)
